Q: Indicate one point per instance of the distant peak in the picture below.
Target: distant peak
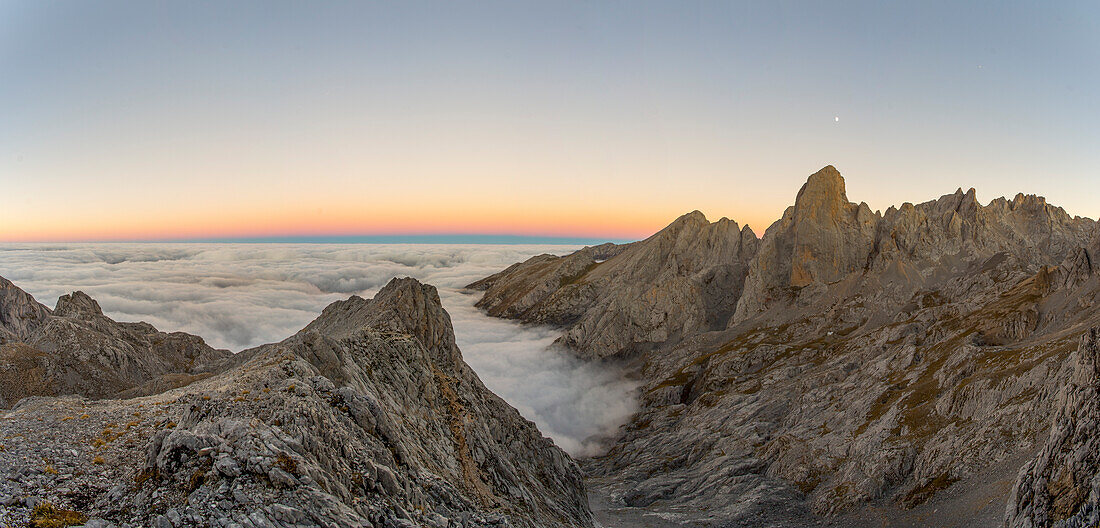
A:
(696, 216)
(826, 181)
(823, 193)
(403, 306)
(77, 304)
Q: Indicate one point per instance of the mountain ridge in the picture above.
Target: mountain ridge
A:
(366, 417)
(932, 336)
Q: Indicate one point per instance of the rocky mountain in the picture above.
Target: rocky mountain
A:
(616, 301)
(847, 362)
(366, 417)
(75, 349)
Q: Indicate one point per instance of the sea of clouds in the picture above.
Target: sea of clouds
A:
(241, 295)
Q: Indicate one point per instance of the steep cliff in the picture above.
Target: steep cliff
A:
(1061, 486)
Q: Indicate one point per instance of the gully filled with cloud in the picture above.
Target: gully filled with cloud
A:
(237, 296)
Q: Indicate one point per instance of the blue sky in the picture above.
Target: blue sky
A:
(587, 119)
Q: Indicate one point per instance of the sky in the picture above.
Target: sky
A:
(600, 120)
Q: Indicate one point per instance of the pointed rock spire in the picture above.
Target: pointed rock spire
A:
(77, 304)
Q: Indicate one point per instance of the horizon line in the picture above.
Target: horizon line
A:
(469, 239)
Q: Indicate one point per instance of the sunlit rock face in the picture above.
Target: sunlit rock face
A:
(821, 239)
(863, 359)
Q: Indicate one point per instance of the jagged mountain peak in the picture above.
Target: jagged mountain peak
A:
(403, 306)
(825, 182)
(77, 304)
(78, 350)
(371, 418)
(823, 197)
(691, 222)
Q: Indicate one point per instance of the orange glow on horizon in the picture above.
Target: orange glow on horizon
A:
(343, 221)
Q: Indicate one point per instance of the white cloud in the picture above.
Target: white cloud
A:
(241, 295)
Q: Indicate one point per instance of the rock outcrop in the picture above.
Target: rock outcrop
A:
(872, 359)
(1061, 486)
(820, 239)
(367, 417)
(75, 349)
(20, 314)
(616, 301)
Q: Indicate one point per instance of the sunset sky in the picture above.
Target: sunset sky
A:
(155, 121)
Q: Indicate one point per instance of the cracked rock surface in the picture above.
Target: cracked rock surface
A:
(367, 417)
(848, 362)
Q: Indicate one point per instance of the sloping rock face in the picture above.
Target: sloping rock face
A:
(872, 359)
(75, 349)
(1061, 486)
(368, 417)
(821, 239)
(616, 301)
(20, 314)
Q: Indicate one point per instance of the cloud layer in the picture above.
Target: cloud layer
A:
(241, 295)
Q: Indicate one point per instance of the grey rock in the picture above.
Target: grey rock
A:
(281, 478)
(1061, 485)
(367, 417)
(863, 358)
(228, 467)
(618, 300)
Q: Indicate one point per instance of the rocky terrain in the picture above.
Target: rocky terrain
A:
(366, 417)
(849, 361)
(1061, 486)
(935, 364)
(75, 349)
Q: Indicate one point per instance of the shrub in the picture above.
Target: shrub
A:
(46, 515)
(145, 474)
(286, 463)
(98, 460)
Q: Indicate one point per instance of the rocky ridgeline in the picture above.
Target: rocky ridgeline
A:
(75, 349)
(367, 417)
(615, 300)
(847, 359)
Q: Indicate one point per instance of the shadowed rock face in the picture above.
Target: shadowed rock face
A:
(1061, 486)
(75, 349)
(20, 314)
(618, 300)
(870, 358)
(366, 417)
